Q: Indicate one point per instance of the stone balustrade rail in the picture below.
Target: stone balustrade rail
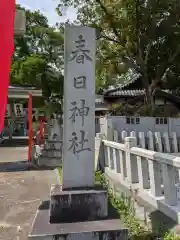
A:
(153, 176)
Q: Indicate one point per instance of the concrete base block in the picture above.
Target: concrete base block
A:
(49, 161)
(90, 230)
(77, 205)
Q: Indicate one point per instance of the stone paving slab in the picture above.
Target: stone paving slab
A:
(21, 192)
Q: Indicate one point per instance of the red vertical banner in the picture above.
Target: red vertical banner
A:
(30, 128)
(7, 17)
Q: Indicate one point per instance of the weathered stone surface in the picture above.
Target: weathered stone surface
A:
(77, 205)
(55, 130)
(49, 161)
(53, 144)
(20, 22)
(52, 153)
(91, 230)
(79, 107)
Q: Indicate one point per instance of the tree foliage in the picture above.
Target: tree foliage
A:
(38, 59)
(138, 34)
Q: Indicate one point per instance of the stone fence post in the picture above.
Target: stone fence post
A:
(131, 160)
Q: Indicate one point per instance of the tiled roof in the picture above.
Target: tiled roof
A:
(128, 93)
(21, 88)
(130, 77)
(134, 93)
(99, 99)
(125, 80)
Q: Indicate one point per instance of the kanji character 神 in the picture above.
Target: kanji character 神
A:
(79, 111)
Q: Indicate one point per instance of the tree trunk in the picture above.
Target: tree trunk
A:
(156, 84)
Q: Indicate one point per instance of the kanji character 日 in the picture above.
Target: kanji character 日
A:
(80, 82)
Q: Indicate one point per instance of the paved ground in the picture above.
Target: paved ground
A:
(21, 191)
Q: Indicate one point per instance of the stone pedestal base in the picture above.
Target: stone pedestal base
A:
(77, 215)
(51, 155)
(91, 230)
(53, 144)
(49, 161)
(77, 205)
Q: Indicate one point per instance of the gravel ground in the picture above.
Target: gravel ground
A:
(21, 191)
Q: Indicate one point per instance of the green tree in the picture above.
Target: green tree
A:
(134, 34)
(38, 58)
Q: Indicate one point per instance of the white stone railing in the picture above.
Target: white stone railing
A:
(166, 141)
(153, 176)
(161, 142)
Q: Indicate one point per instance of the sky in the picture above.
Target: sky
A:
(47, 7)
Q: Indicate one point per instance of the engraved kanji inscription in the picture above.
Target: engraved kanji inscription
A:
(18, 110)
(80, 82)
(81, 53)
(81, 111)
(50, 153)
(54, 136)
(78, 146)
(52, 146)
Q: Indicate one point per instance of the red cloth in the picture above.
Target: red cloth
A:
(7, 15)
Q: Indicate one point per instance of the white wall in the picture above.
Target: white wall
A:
(145, 124)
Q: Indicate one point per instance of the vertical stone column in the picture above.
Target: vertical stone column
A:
(79, 108)
(20, 22)
(52, 152)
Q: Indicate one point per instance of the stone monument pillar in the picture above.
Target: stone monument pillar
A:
(79, 108)
(51, 155)
(78, 209)
(20, 23)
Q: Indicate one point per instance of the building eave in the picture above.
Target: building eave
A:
(20, 92)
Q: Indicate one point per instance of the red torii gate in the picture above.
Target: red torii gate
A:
(7, 19)
(11, 23)
(30, 129)
(9, 26)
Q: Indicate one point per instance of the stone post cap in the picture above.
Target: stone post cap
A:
(20, 22)
(130, 139)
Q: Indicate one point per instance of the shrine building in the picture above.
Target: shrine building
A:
(16, 119)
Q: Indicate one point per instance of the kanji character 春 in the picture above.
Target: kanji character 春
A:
(80, 53)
